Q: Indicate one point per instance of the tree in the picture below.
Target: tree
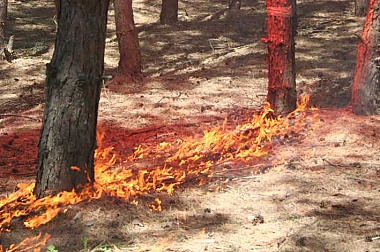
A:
(234, 4)
(3, 21)
(129, 49)
(169, 12)
(366, 88)
(73, 81)
(361, 7)
(281, 30)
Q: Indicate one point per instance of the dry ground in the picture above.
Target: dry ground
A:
(322, 194)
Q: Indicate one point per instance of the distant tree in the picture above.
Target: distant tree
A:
(3, 21)
(361, 7)
(366, 87)
(73, 81)
(129, 49)
(234, 4)
(281, 30)
(169, 12)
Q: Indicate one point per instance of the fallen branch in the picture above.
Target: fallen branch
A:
(261, 166)
(373, 238)
(14, 115)
(154, 128)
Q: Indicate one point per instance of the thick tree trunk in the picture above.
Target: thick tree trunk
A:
(68, 134)
(169, 12)
(366, 87)
(129, 49)
(361, 7)
(3, 21)
(281, 53)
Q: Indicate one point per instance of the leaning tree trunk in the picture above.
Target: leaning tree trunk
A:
(129, 49)
(361, 7)
(281, 54)
(366, 87)
(73, 81)
(169, 12)
(3, 21)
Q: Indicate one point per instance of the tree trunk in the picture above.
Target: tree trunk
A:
(361, 7)
(281, 54)
(129, 49)
(68, 135)
(234, 4)
(366, 87)
(169, 12)
(3, 21)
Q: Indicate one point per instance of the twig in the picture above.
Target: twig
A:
(370, 239)
(262, 166)
(166, 134)
(355, 164)
(353, 177)
(14, 115)
(170, 97)
(154, 128)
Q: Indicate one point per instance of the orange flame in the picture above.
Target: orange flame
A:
(182, 160)
(28, 244)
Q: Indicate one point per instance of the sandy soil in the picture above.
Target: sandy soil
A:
(315, 191)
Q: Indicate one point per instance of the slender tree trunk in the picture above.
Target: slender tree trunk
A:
(169, 12)
(234, 4)
(366, 87)
(73, 81)
(361, 7)
(281, 54)
(3, 21)
(129, 49)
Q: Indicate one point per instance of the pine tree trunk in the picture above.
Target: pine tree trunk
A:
(129, 49)
(169, 12)
(73, 82)
(366, 87)
(281, 53)
(3, 21)
(234, 4)
(361, 7)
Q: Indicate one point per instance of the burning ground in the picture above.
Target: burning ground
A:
(313, 187)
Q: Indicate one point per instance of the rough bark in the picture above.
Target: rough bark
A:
(361, 7)
(129, 49)
(366, 88)
(3, 21)
(169, 12)
(68, 135)
(281, 55)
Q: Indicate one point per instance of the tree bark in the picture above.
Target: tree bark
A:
(73, 81)
(365, 98)
(3, 21)
(281, 54)
(129, 49)
(361, 7)
(169, 12)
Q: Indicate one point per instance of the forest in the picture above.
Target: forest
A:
(210, 125)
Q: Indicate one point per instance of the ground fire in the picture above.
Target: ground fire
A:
(194, 159)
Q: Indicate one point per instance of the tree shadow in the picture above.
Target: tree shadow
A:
(322, 71)
(331, 215)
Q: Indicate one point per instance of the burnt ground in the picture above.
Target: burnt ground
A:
(318, 193)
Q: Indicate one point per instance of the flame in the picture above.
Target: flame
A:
(28, 244)
(191, 159)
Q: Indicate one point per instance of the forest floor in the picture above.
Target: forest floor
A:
(316, 191)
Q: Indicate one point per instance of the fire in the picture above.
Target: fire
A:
(192, 159)
(28, 244)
